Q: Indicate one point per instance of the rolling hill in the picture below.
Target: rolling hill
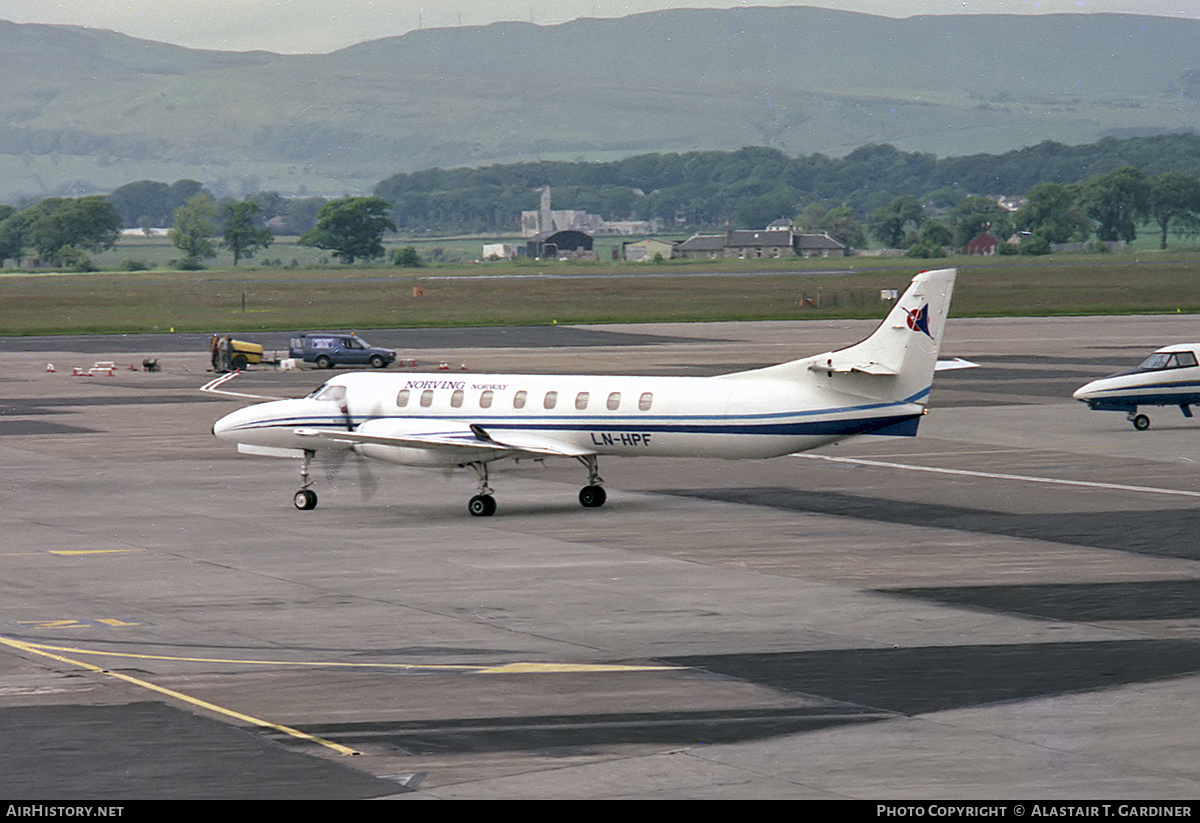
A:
(87, 110)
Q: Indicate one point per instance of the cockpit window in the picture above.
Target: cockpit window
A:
(331, 394)
(1168, 360)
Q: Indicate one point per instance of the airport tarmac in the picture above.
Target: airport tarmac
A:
(1004, 607)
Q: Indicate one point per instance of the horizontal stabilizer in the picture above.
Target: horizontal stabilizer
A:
(956, 363)
(845, 367)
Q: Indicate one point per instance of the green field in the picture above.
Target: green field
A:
(362, 297)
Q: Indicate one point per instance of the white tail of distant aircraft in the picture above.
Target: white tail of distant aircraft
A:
(878, 386)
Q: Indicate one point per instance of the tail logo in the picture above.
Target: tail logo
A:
(918, 320)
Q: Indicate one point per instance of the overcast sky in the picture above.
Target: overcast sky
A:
(292, 26)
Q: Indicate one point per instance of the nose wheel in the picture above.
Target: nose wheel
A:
(1140, 421)
(306, 498)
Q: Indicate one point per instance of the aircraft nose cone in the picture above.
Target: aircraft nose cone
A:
(1085, 391)
(223, 429)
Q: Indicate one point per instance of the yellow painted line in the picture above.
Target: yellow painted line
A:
(72, 623)
(69, 552)
(204, 704)
(243, 661)
(504, 668)
(45, 625)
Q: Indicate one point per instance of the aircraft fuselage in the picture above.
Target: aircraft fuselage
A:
(601, 414)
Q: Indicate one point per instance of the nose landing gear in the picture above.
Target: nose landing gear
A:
(306, 498)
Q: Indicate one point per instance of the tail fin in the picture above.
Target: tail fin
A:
(897, 361)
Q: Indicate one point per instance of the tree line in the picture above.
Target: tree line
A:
(61, 231)
(1109, 206)
(751, 187)
(902, 199)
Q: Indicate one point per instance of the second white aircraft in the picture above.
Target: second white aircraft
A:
(1169, 377)
(879, 386)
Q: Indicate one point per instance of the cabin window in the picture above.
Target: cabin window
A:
(551, 400)
(427, 398)
(581, 401)
(614, 401)
(456, 399)
(402, 398)
(519, 399)
(485, 399)
(646, 401)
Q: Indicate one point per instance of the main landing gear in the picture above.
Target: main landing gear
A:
(591, 496)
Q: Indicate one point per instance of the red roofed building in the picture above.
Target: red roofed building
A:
(983, 244)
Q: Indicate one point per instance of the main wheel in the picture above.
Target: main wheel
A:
(305, 500)
(1140, 422)
(482, 505)
(592, 497)
(323, 362)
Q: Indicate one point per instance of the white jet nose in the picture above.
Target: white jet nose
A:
(224, 427)
(1085, 391)
(235, 426)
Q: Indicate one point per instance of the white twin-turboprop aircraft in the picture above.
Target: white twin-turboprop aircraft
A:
(878, 386)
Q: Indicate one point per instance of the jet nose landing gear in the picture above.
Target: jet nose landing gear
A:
(306, 498)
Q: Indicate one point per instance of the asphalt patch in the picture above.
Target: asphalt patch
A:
(151, 751)
(1077, 602)
(1152, 532)
(24, 428)
(575, 734)
(929, 679)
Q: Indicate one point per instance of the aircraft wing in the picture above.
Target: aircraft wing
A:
(451, 436)
(531, 443)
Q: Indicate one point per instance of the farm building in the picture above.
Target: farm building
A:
(557, 244)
